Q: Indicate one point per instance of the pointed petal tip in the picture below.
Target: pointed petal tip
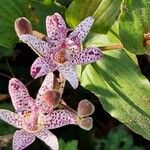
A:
(34, 72)
(75, 84)
(48, 138)
(91, 18)
(13, 82)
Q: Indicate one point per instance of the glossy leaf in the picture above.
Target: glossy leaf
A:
(123, 91)
(9, 11)
(105, 13)
(134, 23)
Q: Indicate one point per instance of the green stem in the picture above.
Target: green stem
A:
(5, 75)
(9, 68)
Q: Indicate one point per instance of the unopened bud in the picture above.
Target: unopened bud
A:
(85, 108)
(23, 26)
(86, 123)
(52, 98)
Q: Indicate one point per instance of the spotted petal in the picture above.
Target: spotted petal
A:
(42, 66)
(47, 85)
(69, 73)
(82, 30)
(87, 56)
(39, 46)
(19, 95)
(22, 139)
(56, 29)
(59, 118)
(11, 118)
(49, 138)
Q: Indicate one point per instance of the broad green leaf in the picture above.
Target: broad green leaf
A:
(99, 40)
(121, 88)
(134, 23)
(43, 9)
(123, 91)
(70, 145)
(9, 12)
(105, 13)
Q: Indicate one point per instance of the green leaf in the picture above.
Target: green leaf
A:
(105, 13)
(5, 51)
(9, 12)
(65, 3)
(121, 88)
(134, 23)
(43, 9)
(70, 145)
(99, 40)
(117, 139)
(119, 84)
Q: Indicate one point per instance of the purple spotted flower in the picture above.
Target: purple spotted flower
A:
(34, 117)
(59, 51)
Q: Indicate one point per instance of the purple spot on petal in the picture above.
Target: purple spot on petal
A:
(36, 71)
(91, 53)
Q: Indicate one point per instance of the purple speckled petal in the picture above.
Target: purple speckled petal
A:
(22, 139)
(87, 56)
(69, 73)
(39, 46)
(41, 67)
(56, 29)
(19, 95)
(47, 85)
(49, 138)
(74, 45)
(82, 30)
(59, 118)
(11, 118)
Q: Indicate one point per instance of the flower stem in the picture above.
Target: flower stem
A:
(112, 47)
(9, 67)
(63, 105)
(5, 75)
(4, 96)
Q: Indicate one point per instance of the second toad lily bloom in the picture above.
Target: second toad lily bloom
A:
(61, 52)
(33, 117)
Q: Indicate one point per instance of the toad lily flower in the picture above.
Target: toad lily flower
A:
(59, 51)
(34, 117)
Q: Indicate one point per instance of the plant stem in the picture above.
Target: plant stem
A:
(5, 75)
(112, 47)
(9, 68)
(63, 104)
(4, 96)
